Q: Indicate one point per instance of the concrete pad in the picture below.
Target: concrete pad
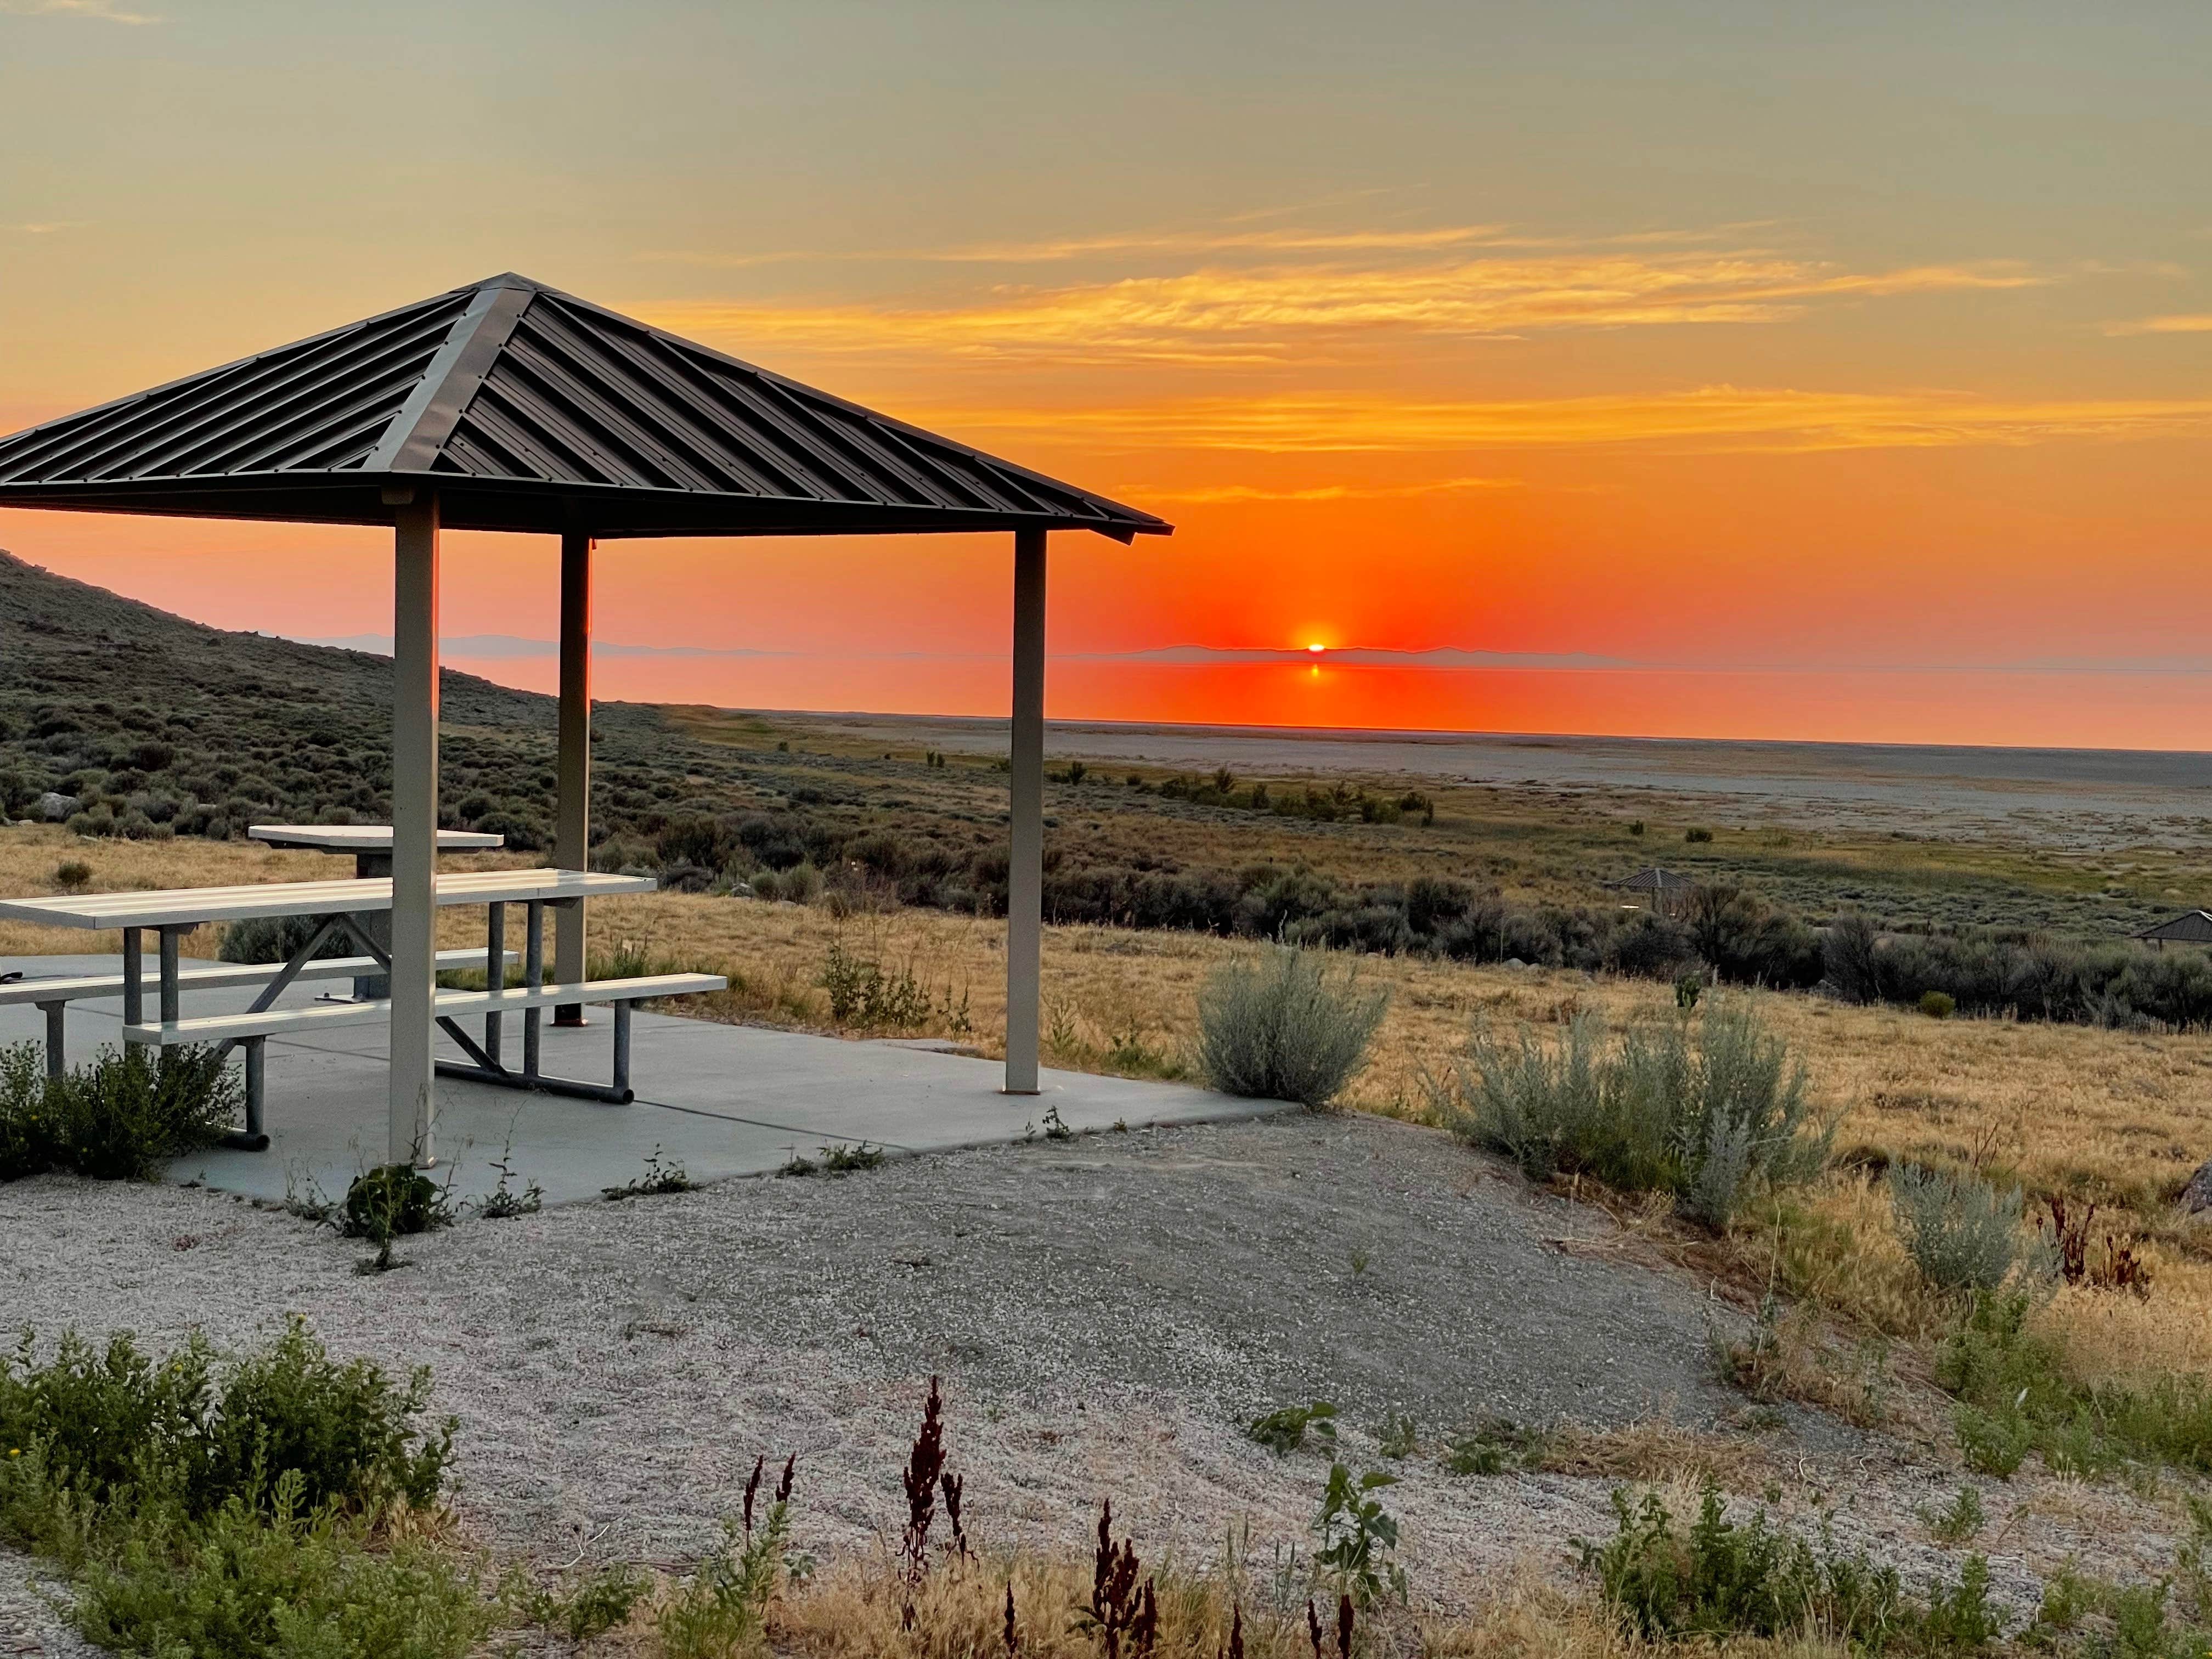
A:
(720, 1100)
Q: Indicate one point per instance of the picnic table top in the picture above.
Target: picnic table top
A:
(186, 906)
(360, 837)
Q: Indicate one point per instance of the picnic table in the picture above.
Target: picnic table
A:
(343, 907)
(371, 847)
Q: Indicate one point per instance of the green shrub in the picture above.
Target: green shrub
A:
(1718, 1578)
(1283, 1028)
(1355, 1537)
(723, 1607)
(1283, 1430)
(392, 1200)
(277, 1579)
(1993, 1443)
(120, 1117)
(210, 1509)
(127, 1431)
(1938, 1004)
(1963, 1233)
(1705, 1119)
(275, 938)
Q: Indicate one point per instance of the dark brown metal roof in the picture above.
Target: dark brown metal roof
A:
(527, 409)
(1656, 880)
(2189, 927)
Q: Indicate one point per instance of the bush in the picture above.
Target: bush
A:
(192, 1434)
(1283, 1028)
(120, 1117)
(1962, 1233)
(226, 1508)
(1717, 1578)
(274, 938)
(1704, 1120)
(393, 1201)
(1937, 1005)
(290, 1582)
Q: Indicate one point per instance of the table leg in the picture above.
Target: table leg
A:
(134, 983)
(533, 975)
(494, 977)
(373, 987)
(172, 1003)
(622, 1047)
(256, 1087)
(57, 1056)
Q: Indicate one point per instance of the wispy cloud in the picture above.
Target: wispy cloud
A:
(1710, 418)
(2192, 323)
(1292, 312)
(1335, 492)
(42, 226)
(105, 11)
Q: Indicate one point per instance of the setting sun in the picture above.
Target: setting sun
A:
(1316, 649)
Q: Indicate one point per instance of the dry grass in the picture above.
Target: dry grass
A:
(2118, 1117)
(853, 1610)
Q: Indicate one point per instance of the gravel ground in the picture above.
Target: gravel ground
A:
(1106, 1312)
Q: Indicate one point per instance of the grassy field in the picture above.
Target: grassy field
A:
(2120, 1118)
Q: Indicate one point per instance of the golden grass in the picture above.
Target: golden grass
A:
(2119, 1117)
(854, 1610)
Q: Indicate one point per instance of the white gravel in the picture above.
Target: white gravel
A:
(1106, 1313)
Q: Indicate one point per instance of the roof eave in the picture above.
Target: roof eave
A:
(610, 512)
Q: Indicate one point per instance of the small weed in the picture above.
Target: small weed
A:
(842, 1158)
(863, 994)
(1959, 1522)
(1399, 1436)
(661, 1175)
(1120, 1610)
(503, 1203)
(1473, 1453)
(1356, 1536)
(1361, 1261)
(591, 1606)
(1054, 1128)
(723, 1607)
(1283, 1430)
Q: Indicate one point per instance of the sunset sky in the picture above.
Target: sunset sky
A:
(1830, 372)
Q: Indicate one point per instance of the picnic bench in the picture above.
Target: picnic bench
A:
(344, 908)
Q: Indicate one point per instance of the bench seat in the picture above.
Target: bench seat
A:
(447, 1005)
(218, 976)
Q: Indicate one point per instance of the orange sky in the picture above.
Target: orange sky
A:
(1835, 376)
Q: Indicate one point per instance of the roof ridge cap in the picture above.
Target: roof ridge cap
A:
(434, 408)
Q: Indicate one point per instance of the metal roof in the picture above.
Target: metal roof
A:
(1656, 880)
(2189, 927)
(529, 410)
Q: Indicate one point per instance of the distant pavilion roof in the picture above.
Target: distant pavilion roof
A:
(2189, 927)
(528, 410)
(1656, 880)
